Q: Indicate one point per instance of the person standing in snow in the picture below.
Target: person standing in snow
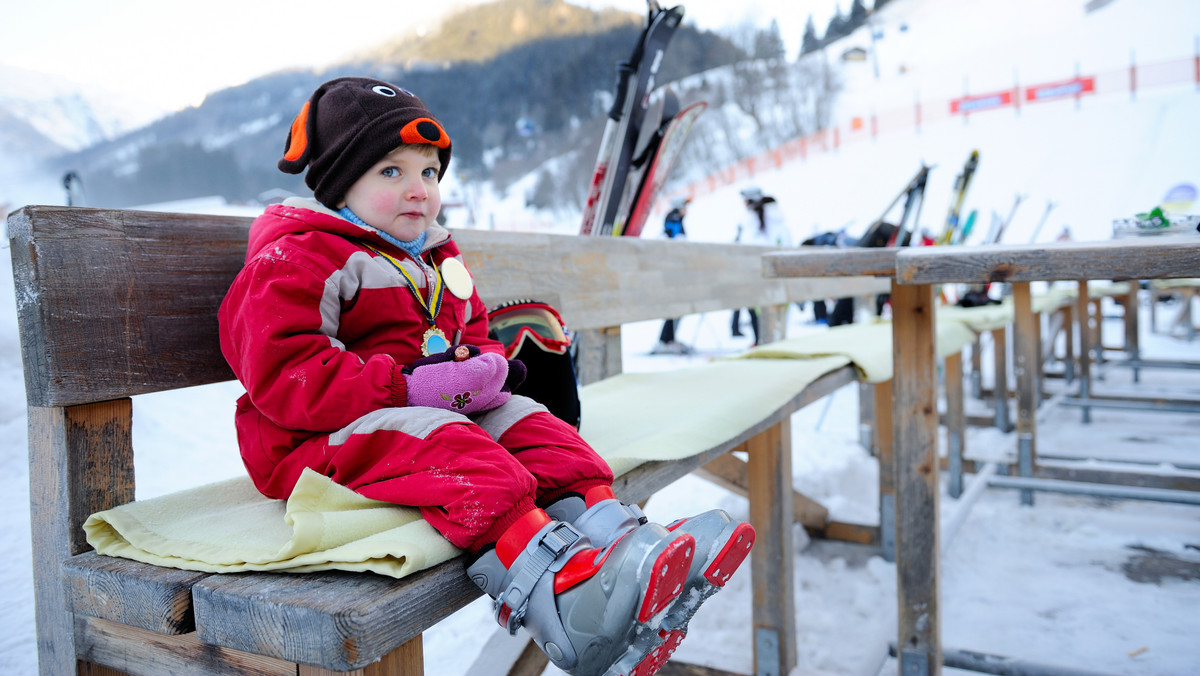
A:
(673, 229)
(761, 225)
(363, 346)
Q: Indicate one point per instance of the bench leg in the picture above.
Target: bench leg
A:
(1132, 349)
(887, 470)
(1083, 319)
(1000, 379)
(866, 417)
(772, 560)
(956, 422)
(915, 419)
(1069, 341)
(1025, 363)
(80, 462)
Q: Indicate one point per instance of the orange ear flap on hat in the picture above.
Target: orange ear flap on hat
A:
(296, 151)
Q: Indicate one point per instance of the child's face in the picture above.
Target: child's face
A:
(399, 195)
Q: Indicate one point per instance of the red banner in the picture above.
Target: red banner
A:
(1057, 90)
(974, 104)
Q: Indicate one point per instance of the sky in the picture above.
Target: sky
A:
(170, 55)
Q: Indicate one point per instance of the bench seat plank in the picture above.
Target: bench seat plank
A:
(137, 652)
(336, 620)
(130, 592)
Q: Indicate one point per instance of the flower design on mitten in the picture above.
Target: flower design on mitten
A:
(461, 401)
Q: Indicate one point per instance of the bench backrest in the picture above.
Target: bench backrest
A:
(115, 303)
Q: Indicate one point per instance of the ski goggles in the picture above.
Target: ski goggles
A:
(517, 321)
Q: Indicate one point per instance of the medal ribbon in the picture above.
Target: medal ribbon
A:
(432, 306)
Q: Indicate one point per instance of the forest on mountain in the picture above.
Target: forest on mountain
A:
(517, 83)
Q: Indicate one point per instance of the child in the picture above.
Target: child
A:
(363, 347)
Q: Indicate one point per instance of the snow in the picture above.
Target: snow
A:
(1072, 580)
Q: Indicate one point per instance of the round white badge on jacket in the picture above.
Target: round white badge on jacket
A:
(457, 279)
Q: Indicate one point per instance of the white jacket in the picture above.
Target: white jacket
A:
(775, 233)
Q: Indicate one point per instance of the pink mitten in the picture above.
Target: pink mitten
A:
(461, 379)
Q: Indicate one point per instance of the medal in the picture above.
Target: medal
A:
(457, 279)
(434, 342)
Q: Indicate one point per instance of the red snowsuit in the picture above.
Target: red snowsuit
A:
(317, 327)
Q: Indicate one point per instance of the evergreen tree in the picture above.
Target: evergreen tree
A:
(838, 28)
(768, 44)
(858, 14)
(810, 42)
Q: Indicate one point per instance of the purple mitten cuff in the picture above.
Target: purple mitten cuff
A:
(516, 375)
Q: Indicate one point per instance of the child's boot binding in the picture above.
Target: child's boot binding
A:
(591, 610)
(722, 545)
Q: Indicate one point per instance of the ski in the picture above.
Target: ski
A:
(635, 81)
(961, 183)
(656, 163)
(995, 235)
(961, 235)
(1045, 214)
(664, 105)
(913, 195)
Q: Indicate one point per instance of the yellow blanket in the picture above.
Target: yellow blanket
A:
(868, 346)
(230, 527)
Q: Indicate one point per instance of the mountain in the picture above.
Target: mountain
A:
(478, 34)
(43, 115)
(553, 73)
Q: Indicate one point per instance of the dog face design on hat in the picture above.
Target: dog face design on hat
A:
(351, 123)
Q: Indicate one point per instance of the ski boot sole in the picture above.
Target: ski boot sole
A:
(726, 553)
(649, 645)
(670, 574)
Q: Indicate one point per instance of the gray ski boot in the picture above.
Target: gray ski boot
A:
(592, 610)
(722, 545)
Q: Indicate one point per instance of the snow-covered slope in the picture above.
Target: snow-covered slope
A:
(71, 115)
(1112, 153)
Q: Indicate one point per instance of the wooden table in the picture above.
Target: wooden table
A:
(914, 273)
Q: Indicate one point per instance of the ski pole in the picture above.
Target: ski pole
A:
(1045, 215)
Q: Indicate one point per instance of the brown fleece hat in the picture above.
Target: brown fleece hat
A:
(348, 125)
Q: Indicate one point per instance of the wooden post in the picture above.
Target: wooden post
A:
(1069, 340)
(915, 421)
(1132, 350)
(772, 323)
(80, 462)
(956, 422)
(1000, 378)
(599, 354)
(884, 441)
(866, 417)
(1084, 321)
(772, 560)
(976, 363)
(1025, 364)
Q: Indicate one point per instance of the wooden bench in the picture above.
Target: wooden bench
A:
(113, 304)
